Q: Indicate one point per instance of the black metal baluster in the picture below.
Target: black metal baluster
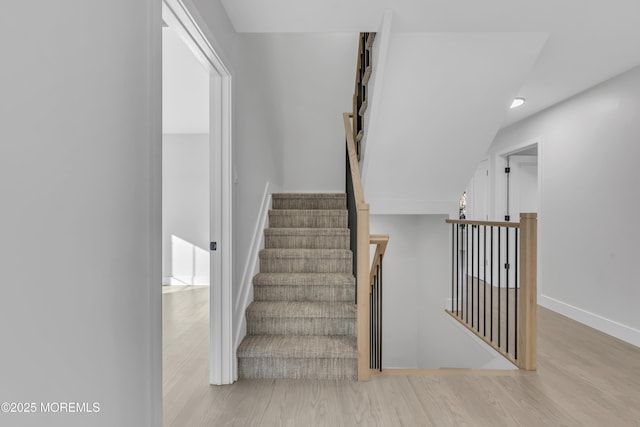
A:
(374, 322)
(492, 310)
(473, 280)
(380, 329)
(371, 329)
(374, 325)
(457, 244)
(453, 266)
(484, 279)
(466, 273)
(507, 300)
(499, 285)
(477, 279)
(517, 251)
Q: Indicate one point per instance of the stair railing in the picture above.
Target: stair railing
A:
(494, 284)
(368, 276)
(375, 302)
(359, 226)
(360, 94)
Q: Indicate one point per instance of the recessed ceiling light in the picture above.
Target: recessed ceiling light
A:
(517, 102)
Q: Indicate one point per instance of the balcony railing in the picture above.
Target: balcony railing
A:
(494, 284)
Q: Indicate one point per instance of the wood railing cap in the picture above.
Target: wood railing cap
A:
(487, 223)
(378, 238)
(354, 164)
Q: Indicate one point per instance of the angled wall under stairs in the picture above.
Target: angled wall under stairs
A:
(302, 322)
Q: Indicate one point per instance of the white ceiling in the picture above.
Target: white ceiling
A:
(185, 88)
(589, 40)
(444, 98)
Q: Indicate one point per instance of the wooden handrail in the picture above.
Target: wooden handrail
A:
(362, 258)
(487, 223)
(381, 242)
(353, 162)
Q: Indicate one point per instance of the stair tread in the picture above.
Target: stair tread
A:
(306, 253)
(307, 201)
(302, 212)
(294, 231)
(304, 279)
(308, 195)
(308, 218)
(283, 346)
(302, 309)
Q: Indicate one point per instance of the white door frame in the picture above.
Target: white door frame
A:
(221, 352)
(499, 187)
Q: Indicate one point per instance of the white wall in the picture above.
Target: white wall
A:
(589, 198)
(80, 216)
(185, 209)
(417, 333)
(185, 87)
(309, 79)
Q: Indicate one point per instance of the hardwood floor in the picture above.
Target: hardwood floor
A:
(584, 378)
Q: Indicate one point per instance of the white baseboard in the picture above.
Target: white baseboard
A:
(245, 293)
(608, 326)
(201, 280)
(182, 281)
(166, 280)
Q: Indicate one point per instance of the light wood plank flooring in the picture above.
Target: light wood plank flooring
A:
(584, 378)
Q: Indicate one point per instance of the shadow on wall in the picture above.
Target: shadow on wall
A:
(189, 263)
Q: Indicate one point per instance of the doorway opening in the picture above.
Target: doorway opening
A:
(520, 183)
(521, 190)
(201, 252)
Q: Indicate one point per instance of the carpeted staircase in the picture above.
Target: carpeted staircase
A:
(302, 322)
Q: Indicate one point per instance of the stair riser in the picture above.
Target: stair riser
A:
(311, 369)
(316, 203)
(305, 265)
(304, 293)
(307, 242)
(257, 325)
(308, 220)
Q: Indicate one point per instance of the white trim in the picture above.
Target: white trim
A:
(499, 188)
(250, 270)
(186, 281)
(499, 184)
(178, 17)
(154, 226)
(383, 37)
(608, 326)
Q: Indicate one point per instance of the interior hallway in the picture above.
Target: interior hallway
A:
(584, 378)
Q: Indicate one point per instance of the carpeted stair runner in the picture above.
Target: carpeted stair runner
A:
(302, 322)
